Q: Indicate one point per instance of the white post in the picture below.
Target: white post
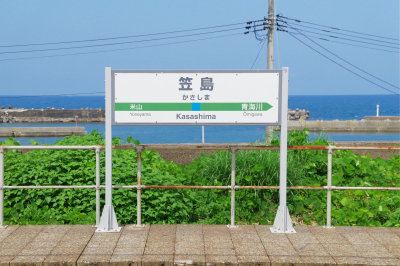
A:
(97, 186)
(108, 222)
(2, 188)
(329, 192)
(139, 187)
(202, 134)
(377, 110)
(233, 184)
(283, 223)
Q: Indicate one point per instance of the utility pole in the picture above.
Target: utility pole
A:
(270, 54)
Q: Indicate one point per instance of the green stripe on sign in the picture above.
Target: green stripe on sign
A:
(235, 106)
(248, 106)
(153, 107)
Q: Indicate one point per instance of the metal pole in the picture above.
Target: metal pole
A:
(97, 187)
(271, 24)
(283, 223)
(139, 186)
(2, 188)
(270, 52)
(202, 134)
(283, 153)
(233, 183)
(329, 192)
(108, 221)
(377, 110)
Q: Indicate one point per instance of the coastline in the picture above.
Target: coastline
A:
(368, 124)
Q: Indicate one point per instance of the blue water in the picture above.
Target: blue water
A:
(346, 107)
(321, 107)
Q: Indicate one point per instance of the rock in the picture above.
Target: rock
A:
(9, 107)
(298, 114)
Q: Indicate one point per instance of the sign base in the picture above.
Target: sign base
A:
(283, 223)
(108, 222)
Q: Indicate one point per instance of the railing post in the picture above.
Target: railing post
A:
(329, 191)
(139, 186)
(2, 188)
(97, 186)
(233, 184)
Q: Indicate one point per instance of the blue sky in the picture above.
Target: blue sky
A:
(27, 22)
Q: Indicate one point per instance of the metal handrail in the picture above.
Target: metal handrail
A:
(232, 148)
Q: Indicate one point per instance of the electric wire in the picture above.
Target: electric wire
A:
(300, 21)
(115, 38)
(110, 44)
(258, 53)
(336, 37)
(372, 48)
(342, 34)
(121, 49)
(349, 62)
(342, 65)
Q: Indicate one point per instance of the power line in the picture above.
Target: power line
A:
(258, 54)
(342, 33)
(347, 61)
(372, 48)
(122, 49)
(342, 65)
(122, 37)
(334, 28)
(110, 44)
(336, 37)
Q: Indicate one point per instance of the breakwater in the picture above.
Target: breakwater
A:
(41, 131)
(51, 115)
(368, 124)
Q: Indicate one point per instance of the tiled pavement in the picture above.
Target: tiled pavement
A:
(208, 245)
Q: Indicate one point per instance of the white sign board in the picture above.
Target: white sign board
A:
(196, 97)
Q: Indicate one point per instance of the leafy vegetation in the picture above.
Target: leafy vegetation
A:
(305, 168)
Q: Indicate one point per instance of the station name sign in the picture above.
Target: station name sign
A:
(196, 97)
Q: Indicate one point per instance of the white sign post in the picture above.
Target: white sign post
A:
(108, 221)
(283, 223)
(196, 98)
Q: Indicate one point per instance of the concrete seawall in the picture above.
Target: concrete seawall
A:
(41, 131)
(186, 157)
(55, 115)
(387, 124)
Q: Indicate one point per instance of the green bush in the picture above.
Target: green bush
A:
(253, 168)
(77, 167)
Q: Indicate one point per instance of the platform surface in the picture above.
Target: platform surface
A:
(208, 245)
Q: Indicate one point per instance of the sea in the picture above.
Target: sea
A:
(321, 107)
